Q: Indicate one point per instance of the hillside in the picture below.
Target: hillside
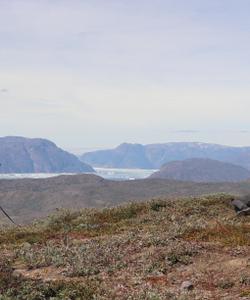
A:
(24, 155)
(139, 251)
(202, 170)
(124, 156)
(153, 156)
(26, 199)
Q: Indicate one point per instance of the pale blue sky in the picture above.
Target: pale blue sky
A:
(94, 73)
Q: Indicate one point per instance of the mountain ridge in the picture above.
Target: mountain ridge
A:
(37, 155)
(153, 156)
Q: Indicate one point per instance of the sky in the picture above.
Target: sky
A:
(95, 73)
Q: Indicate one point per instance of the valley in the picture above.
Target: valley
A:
(29, 199)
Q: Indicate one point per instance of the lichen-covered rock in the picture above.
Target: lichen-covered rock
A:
(187, 285)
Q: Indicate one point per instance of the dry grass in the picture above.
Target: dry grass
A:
(226, 234)
(136, 251)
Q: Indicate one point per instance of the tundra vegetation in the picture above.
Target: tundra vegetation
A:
(142, 250)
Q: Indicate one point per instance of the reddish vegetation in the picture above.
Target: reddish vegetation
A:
(137, 251)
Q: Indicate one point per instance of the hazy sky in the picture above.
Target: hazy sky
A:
(94, 73)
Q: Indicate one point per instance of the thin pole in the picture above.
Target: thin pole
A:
(5, 213)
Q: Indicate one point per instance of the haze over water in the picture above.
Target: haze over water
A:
(107, 173)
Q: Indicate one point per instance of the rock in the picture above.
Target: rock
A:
(187, 286)
(244, 212)
(239, 205)
(26, 246)
(88, 226)
(17, 273)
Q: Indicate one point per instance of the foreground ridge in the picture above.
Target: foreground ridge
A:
(192, 248)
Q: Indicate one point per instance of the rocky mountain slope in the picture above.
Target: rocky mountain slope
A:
(24, 155)
(202, 170)
(27, 199)
(153, 156)
(184, 249)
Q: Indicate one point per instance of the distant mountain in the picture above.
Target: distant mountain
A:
(202, 170)
(24, 155)
(124, 156)
(153, 156)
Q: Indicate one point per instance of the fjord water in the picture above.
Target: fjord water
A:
(124, 174)
(107, 173)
